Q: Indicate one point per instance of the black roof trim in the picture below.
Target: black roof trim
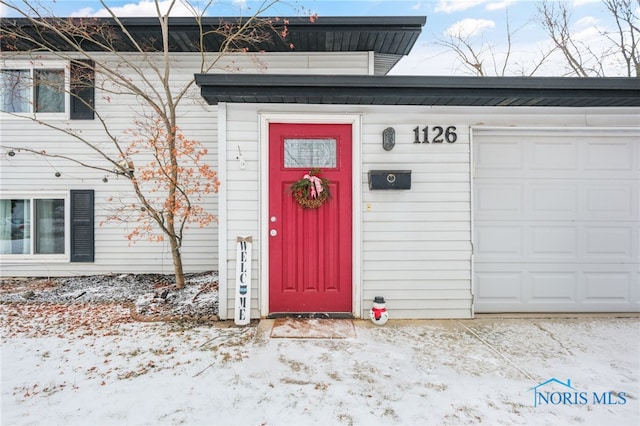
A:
(391, 35)
(419, 90)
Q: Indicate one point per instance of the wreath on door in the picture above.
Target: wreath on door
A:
(311, 191)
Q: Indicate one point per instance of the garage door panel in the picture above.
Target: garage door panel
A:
(499, 240)
(557, 222)
(499, 200)
(548, 156)
(608, 287)
(554, 287)
(551, 201)
(515, 201)
(609, 156)
(556, 242)
(606, 242)
(499, 287)
(552, 241)
(498, 156)
(610, 201)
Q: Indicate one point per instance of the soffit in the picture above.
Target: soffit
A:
(386, 35)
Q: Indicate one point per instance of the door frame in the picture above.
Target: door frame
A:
(356, 178)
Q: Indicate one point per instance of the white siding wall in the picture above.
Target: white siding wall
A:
(416, 247)
(243, 199)
(30, 174)
(297, 63)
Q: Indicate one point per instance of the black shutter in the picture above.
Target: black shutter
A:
(82, 223)
(82, 89)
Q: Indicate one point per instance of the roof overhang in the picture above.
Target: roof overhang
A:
(389, 38)
(420, 90)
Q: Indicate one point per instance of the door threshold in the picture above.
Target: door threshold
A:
(325, 315)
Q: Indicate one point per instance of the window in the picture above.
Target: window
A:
(15, 91)
(32, 226)
(309, 153)
(33, 90)
(54, 89)
(49, 90)
(58, 227)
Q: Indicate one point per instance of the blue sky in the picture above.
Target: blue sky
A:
(485, 20)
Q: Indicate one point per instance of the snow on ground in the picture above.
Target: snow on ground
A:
(151, 295)
(91, 364)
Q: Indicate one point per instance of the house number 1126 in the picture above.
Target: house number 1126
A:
(435, 134)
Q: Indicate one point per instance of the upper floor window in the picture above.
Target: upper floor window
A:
(34, 90)
(54, 89)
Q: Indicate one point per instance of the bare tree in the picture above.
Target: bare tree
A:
(626, 38)
(482, 59)
(164, 168)
(556, 20)
(472, 57)
(585, 60)
(619, 52)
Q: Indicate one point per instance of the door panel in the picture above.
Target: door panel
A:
(556, 223)
(310, 256)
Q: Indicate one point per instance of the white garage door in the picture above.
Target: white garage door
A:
(556, 221)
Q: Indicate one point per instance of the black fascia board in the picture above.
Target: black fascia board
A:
(146, 31)
(421, 90)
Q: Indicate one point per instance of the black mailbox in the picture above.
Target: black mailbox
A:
(389, 179)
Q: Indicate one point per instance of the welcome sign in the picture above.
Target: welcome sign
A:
(243, 281)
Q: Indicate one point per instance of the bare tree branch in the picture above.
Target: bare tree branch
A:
(146, 73)
(627, 36)
(482, 58)
(585, 60)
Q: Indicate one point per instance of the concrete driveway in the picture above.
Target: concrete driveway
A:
(549, 369)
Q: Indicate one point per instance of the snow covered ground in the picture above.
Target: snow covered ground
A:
(92, 365)
(151, 295)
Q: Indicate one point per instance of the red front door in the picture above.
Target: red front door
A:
(310, 249)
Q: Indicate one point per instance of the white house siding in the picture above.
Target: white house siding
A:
(415, 245)
(341, 63)
(416, 250)
(27, 174)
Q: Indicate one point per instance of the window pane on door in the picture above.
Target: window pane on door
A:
(49, 231)
(310, 153)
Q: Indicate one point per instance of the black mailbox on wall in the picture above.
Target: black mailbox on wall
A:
(389, 179)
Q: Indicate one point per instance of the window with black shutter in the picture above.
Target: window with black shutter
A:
(82, 90)
(82, 226)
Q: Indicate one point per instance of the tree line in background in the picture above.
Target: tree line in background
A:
(616, 54)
